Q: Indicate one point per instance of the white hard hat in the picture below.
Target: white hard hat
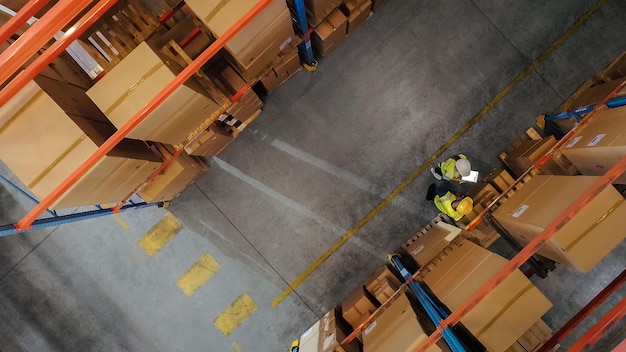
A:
(464, 167)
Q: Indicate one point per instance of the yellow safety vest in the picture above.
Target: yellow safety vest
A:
(444, 204)
(448, 168)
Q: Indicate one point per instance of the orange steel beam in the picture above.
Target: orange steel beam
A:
(597, 331)
(38, 35)
(523, 255)
(22, 16)
(55, 50)
(26, 222)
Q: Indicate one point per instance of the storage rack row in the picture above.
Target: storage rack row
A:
(63, 12)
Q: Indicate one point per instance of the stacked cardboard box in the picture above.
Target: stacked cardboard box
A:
(424, 247)
(357, 11)
(330, 32)
(533, 338)
(327, 334)
(281, 71)
(505, 313)
(396, 329)
(317, 10)
(135, 81)
(180, 173)
(64, 128)
(500, 179)
(599, 144)
(255, 47)
(357, 307)
(383, 284)
(524, 152)
(586, 238)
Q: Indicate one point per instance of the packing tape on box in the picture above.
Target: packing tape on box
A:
(215, 10)
(492, 321)
(56, 161)
(19, 112)
(595, 224)
(130, 90)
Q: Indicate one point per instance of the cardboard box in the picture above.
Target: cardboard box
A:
(599, 144)
(424, 247)
(356, 17)
(60, 141)
(282, 71)
(505, 313)
(500, 179)
(396, 329)
(381, 282)
(174, 179)
(317, 10)
(357, 307)
(586, 238)
(132, 83)
(326, 335)
(597, 93)
(352, 7)
(330, 33)
(211, 141)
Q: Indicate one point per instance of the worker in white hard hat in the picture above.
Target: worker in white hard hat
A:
(455, 206)
(452, 169)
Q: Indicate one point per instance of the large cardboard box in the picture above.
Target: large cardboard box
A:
(599, 144)
(586, 238)
(174, 179)
(597, 93)
(505, 313)
(63, 130)
(136, 80)
(282, 70)
(330, 33)
(500, 179)
(380, 284)
(357, 307)
(425, 246)
(211, 141)
(396, 329)
(327, 334)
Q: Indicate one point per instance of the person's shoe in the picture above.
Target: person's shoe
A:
(437, 176)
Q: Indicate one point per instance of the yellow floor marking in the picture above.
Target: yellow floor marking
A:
(198, 274)
(237, 347)
(431, 159)
(240, 310)
(161, 234)
(117, 218)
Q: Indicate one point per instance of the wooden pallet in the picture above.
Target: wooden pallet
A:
(118, 32)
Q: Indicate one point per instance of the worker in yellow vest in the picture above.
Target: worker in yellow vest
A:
(452, 169)
(448, 203)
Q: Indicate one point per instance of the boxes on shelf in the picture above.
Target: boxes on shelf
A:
(500, 179)
(505, 314)
(520, 156)
(326, 335)
(330, 32)
(254, 48)
(599, 144)
(596, 93)
(174, 179)
(211, 141)
(135, 81)
(586, 238)
(63, 129)
(247, 107)
(396, 329)
(423, 247)
(357, 11)
(357, 307)
(282, 70)
(190, 34)
(533, 338)
(317, 10)
(382, 284)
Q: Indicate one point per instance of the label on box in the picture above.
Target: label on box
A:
(285, 43)
(418, 249)
(573, 142)
(370, 328)
(596, 140)
(307, 333)
(520, 211)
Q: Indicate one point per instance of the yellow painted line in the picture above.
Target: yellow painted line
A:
(117, 218)
(198, 274)
(161, 234)
(237, 347)
(240, 310)
(431, 159)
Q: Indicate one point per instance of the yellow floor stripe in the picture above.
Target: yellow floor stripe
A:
(240, 310)
(161, 234)
(199, 273)
(237, 347)
(431, 159)
(117, 218)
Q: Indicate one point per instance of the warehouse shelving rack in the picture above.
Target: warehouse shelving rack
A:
(65, 10)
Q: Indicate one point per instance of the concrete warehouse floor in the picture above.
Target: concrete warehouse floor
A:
(328, 148)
